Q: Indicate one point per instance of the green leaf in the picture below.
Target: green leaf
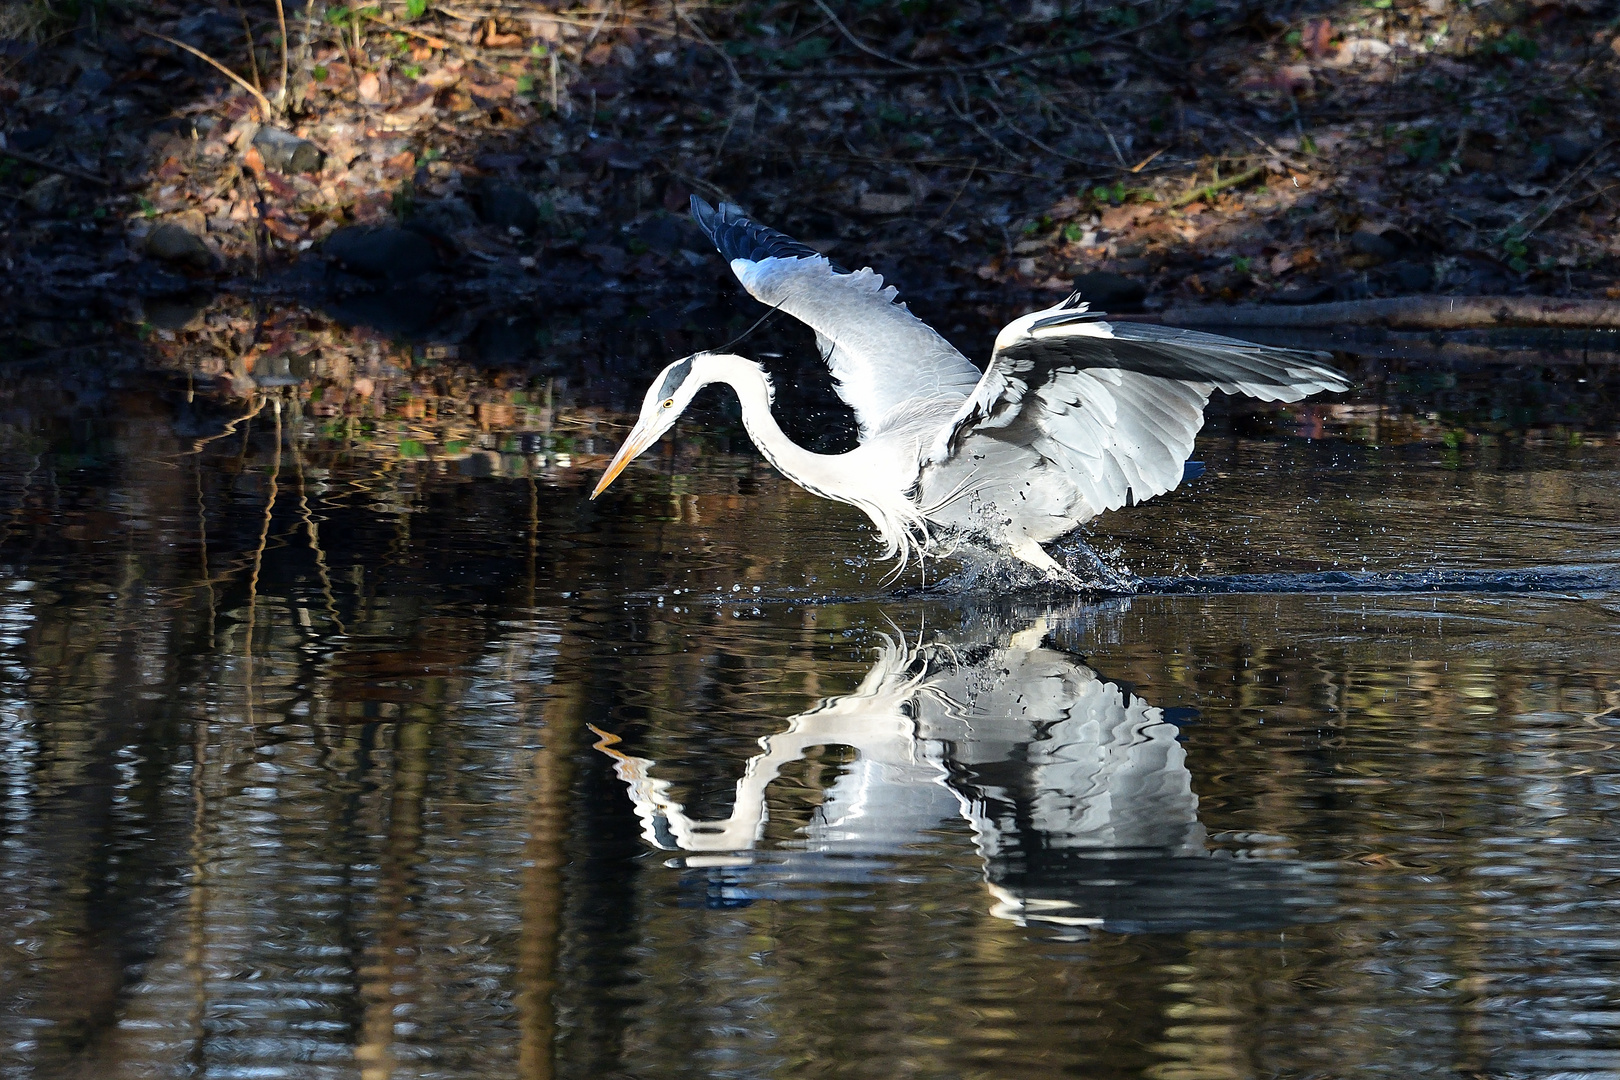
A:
(415, 9)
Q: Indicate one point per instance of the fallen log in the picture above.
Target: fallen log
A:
(1511, 346)
(1409, 313)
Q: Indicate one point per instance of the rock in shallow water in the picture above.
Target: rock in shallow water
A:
(381, 251)
(507, 206)
(285, 152)
(172, 243)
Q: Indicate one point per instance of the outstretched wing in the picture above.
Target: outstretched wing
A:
(1110, 411)
(882, 356)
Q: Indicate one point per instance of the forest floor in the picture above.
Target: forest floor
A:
(406, 157)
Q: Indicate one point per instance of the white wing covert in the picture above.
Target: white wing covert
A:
(1112, 410)
(883, 358)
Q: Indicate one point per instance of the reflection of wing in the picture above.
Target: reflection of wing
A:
(881, 355)
(1076, 790)
(1032, 746)
(1099, 415)
(1047, 755)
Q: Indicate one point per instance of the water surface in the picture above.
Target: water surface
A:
(352, 741)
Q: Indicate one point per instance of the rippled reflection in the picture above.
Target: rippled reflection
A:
(298, 778)
(1075, 789)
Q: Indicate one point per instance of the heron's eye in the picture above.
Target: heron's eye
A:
(669, 403)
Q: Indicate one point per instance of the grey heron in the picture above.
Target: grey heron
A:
(1073, 416)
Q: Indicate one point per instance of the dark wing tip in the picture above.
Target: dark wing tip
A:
(705, 216)
(737, 237)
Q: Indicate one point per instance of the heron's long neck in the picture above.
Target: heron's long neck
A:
(862, 479)
(817, 473)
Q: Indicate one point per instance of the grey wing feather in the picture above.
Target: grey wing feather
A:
(1111, 412)
(883, 358)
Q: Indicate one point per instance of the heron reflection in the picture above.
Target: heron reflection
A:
(1076, 791)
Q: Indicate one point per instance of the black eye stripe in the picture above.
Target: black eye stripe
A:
(673, 379)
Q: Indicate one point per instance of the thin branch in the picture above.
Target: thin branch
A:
(1218, 186)
(1262, 144)
(264, 102)
(736, 76)
(969, 118)
(947, 212)
(858, 43)
(281, 19)
(947, 70)
(253, 54)
(51, 166)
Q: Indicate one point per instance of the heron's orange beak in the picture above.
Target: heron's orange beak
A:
(632, 449)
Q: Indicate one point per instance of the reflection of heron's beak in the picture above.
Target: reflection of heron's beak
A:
(632, 449)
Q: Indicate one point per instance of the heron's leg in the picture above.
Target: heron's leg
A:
(1031, 552)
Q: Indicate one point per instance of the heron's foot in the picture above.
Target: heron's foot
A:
(1035, 555)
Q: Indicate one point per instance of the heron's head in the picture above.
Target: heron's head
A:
(669, 395)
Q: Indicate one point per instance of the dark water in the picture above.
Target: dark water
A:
(329, 756)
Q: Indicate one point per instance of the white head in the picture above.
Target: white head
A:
(671, 392)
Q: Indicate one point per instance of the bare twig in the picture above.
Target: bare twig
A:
(857, 42)
(264, 102)
(1218, 186)
(1262, 144)
(51, 166)
(1145, 162)
(1411, 313)
(429, 40)
(253, 57)
(736, 76)
(947, 70)
(966, 114)
(1556, 199)
(281, 20)
(961, 188)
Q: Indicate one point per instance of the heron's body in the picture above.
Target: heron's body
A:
(1073, 417)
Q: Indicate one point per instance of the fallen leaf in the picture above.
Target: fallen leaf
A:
(1065, 208)
(370, 88)
(597, 55)
(1316, 39)
(495, 91)
(277, 185)
(1121, 217)
(253, 160)
(282, 230)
